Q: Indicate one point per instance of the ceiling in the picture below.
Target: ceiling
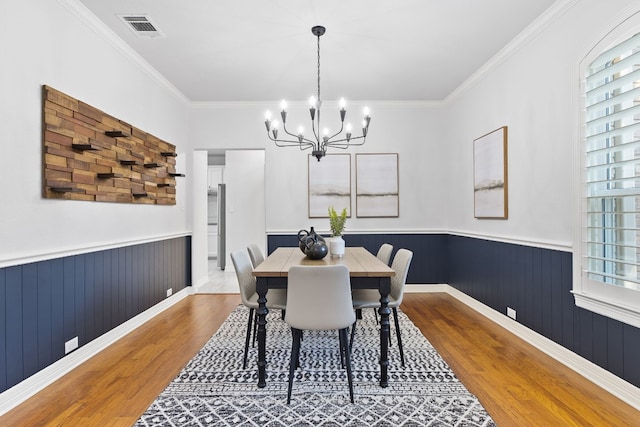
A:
(263, 50)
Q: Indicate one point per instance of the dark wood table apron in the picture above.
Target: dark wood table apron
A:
(364, 274)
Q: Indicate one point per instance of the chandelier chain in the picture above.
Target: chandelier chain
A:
(319, 68)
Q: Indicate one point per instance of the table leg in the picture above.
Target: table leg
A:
(262, 289)
(384, 311)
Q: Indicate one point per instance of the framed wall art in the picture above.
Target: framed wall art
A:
(329, 184)
(490, 189)
(377, 186)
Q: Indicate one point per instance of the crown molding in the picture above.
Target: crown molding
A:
(213, 105)
(83, 14)
(549, 16)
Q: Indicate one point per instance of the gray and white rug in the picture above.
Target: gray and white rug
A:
(214, 390)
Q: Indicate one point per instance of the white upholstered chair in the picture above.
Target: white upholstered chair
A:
(276, 298)
(255, 253)
(370, 298)
(319, 298)
(384, 253)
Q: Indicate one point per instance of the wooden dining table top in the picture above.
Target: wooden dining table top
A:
(359, 261)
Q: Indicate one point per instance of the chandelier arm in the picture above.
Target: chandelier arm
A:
(309, 141)
(285, 143)
(346, 142)
(291, 143)
(337, 133)
(313, 127)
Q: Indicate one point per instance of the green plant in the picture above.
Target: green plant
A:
(337, 222)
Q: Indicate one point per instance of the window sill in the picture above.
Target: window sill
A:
(614, 311)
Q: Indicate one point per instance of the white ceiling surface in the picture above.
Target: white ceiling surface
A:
(263, 50)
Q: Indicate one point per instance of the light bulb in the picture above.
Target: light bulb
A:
(325, 131)
(275, 124)
(267, 115)
(343, 103)
(300, 130)
(312, 101)
(366, 111)
(349, 127)
(283, 105)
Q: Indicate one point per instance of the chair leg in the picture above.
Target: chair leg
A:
(353, 335)
(342, 348)
(395, 319)
(246, 341)
(293, 364)
(347, 356)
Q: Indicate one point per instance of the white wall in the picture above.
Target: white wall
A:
(199, 242)
(533, 91)
(59, 49)
(245, 200)
(414, 130)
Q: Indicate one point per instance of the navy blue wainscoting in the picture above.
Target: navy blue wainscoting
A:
(46, 303)
(536, 282)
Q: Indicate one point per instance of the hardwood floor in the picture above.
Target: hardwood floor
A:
(517, 384)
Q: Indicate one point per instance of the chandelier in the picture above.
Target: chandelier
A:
(320, 141)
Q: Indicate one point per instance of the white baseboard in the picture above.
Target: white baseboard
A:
(17, 394)
(615, 385)
(200, 282)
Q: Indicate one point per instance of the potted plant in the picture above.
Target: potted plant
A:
(337, 223)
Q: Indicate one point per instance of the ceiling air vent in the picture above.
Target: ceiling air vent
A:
(141, 25)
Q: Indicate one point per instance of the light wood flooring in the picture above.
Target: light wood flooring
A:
(516, 383)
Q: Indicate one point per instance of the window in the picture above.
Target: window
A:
(607, 263)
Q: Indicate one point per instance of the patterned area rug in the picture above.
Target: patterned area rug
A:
(214, 390)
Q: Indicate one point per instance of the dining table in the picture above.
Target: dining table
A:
(366, 271)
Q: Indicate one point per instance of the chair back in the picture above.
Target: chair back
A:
(255, 253)
(384, 253)
(319, 298)
(244, 273)
(400, 265)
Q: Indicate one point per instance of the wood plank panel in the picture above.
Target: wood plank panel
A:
(79, 300)
(69, 295)
(57, 308)
(14, 338)
(43, 307)
(30, 318)
(75, 139)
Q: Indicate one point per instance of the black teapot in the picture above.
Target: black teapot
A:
(312, 244)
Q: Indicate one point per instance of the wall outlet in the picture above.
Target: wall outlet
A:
(169, 292)
(511, 313)
(70, 345)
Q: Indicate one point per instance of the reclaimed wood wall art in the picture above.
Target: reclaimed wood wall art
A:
(92, 156)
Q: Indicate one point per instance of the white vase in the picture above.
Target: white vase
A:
(336, 246)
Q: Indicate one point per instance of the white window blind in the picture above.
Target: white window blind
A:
(612, 167)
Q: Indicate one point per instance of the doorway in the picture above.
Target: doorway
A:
(245, 213)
